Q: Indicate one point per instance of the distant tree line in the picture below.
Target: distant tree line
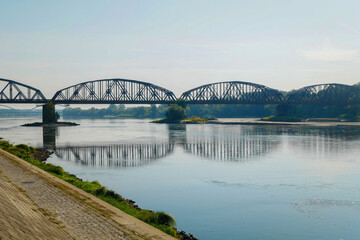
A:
(19, 113)
(216, 111)
(117, 111)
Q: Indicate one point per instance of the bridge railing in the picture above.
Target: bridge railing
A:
(325, 94)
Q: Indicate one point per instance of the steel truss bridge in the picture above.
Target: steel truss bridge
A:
(124, 91)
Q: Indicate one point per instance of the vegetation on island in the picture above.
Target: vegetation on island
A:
(195, 120)
(176, 113)
(283, 119)
(158, 219)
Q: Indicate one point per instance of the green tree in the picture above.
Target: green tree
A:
(112, 106)
(153, 111)
(175, 113)
(181, 102)
(121, 107)
(140, 112)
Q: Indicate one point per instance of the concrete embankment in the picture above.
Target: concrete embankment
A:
(36, 205)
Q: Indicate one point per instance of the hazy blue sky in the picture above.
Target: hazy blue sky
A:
(180, 44)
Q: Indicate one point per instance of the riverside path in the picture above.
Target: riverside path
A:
(37, 205)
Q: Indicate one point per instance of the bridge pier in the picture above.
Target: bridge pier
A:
(48, 113)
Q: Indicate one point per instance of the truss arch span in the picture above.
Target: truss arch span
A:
(232, 92)
(331, 93)
(15, 92)
(116, 91)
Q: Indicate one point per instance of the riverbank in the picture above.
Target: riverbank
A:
(44, 205)
(190, 120)
(325, 124)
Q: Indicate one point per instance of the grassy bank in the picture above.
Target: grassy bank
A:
(194, 120)
(283, 119)
(160, 220)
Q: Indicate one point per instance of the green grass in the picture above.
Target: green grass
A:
(166, 120)
(160, 220)
(186, 120)
(283, 119)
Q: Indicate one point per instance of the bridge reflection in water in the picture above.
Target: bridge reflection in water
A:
(116, 155)
(224, 144)
(219, 143)
(121, 155)
(231, 143)
(325, 142)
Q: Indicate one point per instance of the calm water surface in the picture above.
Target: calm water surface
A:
(218, 181)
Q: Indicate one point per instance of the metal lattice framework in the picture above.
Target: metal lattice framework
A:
(116, 91)
(325, 94)
(233, 92)
(15, 92)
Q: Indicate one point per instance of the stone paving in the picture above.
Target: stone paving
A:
(33, 208)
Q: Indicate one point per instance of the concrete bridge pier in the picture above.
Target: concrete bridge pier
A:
(48, 113)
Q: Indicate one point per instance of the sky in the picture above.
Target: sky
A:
(180, 45)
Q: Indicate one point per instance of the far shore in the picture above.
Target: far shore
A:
(270, 123)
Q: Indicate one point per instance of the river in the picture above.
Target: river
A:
(218, 181)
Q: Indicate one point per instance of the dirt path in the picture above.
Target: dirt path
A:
(37, 205)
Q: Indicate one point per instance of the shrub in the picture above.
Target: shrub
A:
(54, 169)
(23, 147)
(100, 191)
(175, 112)
(162, 218)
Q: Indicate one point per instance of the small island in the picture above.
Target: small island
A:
(50, 118)
(177, 114)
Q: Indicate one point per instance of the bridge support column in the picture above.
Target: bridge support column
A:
(48, 113)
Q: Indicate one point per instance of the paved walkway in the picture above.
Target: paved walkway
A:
(37, 205)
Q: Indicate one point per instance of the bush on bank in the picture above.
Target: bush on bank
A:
(160, 220)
